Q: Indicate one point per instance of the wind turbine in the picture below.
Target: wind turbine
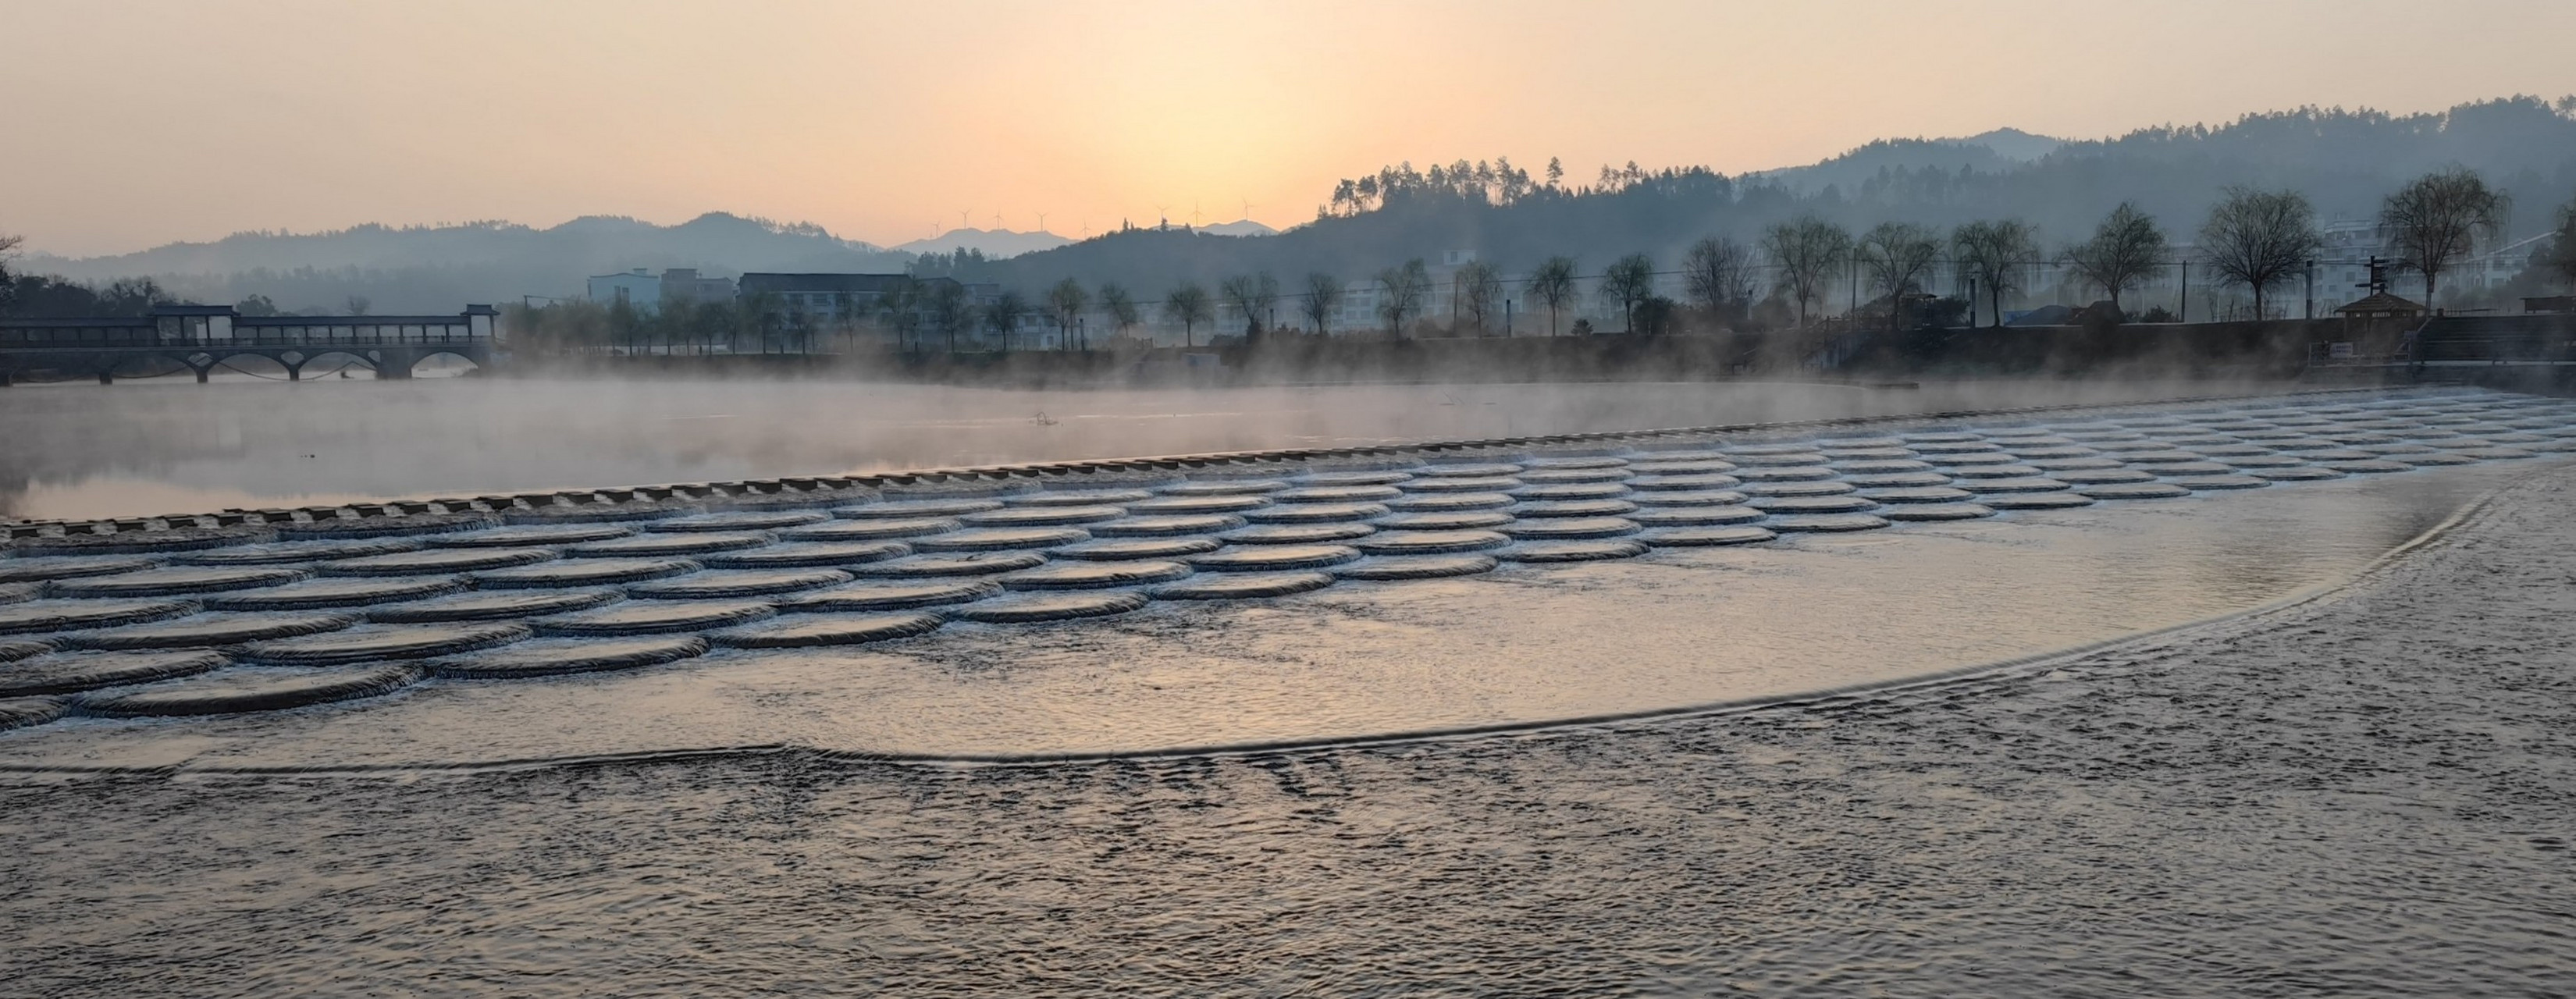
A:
(1163, 214)
(1041, 222)
(1247, 211)
(961, 217)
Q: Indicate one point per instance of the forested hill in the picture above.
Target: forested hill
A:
(2345, 161)
(438, 268)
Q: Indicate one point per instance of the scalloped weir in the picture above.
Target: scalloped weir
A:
(1010, 639)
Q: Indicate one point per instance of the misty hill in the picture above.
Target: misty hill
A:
(2344, 161)
(992, 243)
(439, 268)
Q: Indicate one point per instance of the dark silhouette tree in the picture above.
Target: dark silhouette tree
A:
(1897, 256)
(2259, 239)
(1189, 306)
(1255, 295)
(1629, 281)
(1002, 315)
(1323, 296)
(1065, 303)
(2435, 221)
(1552, 283)
(1480, 292)
(1400, 292)
(1717, 274)
(2125, 248)
(1997, 255)
(1120, 305)
(1806, 252)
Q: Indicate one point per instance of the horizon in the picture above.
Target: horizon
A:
(1129, 122)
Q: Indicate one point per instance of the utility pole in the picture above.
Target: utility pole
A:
(2311, 312)
(1507, 317)
(2186, 291)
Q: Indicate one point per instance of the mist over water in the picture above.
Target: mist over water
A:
(141, 449)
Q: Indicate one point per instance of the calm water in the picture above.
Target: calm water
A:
(138, 449)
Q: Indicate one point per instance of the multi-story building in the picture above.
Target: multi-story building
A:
(644, 292)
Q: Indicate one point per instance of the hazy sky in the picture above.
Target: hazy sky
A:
(136, 123)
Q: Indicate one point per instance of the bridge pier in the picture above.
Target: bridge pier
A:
(106, 376)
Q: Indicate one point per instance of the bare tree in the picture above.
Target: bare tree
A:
(1003, 315)
(1189, 306)
(1628, 281)
(951, 310)
(9, 282)
(359, 305)
(1255, 294)
(1806, 251)
(2559, 258)
(2125, 248)
(1323, 296)
(1897, 257)
(900, 308)
(1552, 284)
(1400, 293)
(1718, 273)
(1065, 303)
(1480, 292)
(2436, 220)
(1120, 304)
(2259, 238)
(1997, 255)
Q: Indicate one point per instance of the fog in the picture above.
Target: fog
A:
(80, 451)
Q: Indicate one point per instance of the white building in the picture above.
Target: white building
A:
(638, 288)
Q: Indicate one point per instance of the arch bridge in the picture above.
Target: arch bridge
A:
(199, 337)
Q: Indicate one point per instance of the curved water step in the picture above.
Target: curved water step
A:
(874, 597)
(490, 606)
(173, 581)
(718, 584)
(1575, 551)
(1276, 558)
(1244, 586)
(558, 656)
(583, 572)
(72, 672)
(239, 690)
(1093, 575)
(1705, 537)
(63, 615)
(1128, 549)
(1417, 567)
(384, 641)
(966, 564)
(1296, 534)
(808, 555)
(318, 593)
(655, 617)
(815, 630)
(434, 562)
(529, 536)
(871, 530)
(1041, 607)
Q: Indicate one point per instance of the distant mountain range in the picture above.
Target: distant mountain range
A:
(2345, 161)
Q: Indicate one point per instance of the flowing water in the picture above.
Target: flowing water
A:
(2104, 827)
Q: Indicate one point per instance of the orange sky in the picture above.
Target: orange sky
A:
(136, 123)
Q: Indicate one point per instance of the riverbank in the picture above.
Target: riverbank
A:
(2367, 794)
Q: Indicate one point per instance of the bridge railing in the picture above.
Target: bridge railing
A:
(90, 335)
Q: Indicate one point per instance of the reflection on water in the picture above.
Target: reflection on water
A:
(87, 451)
(1526, 645)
